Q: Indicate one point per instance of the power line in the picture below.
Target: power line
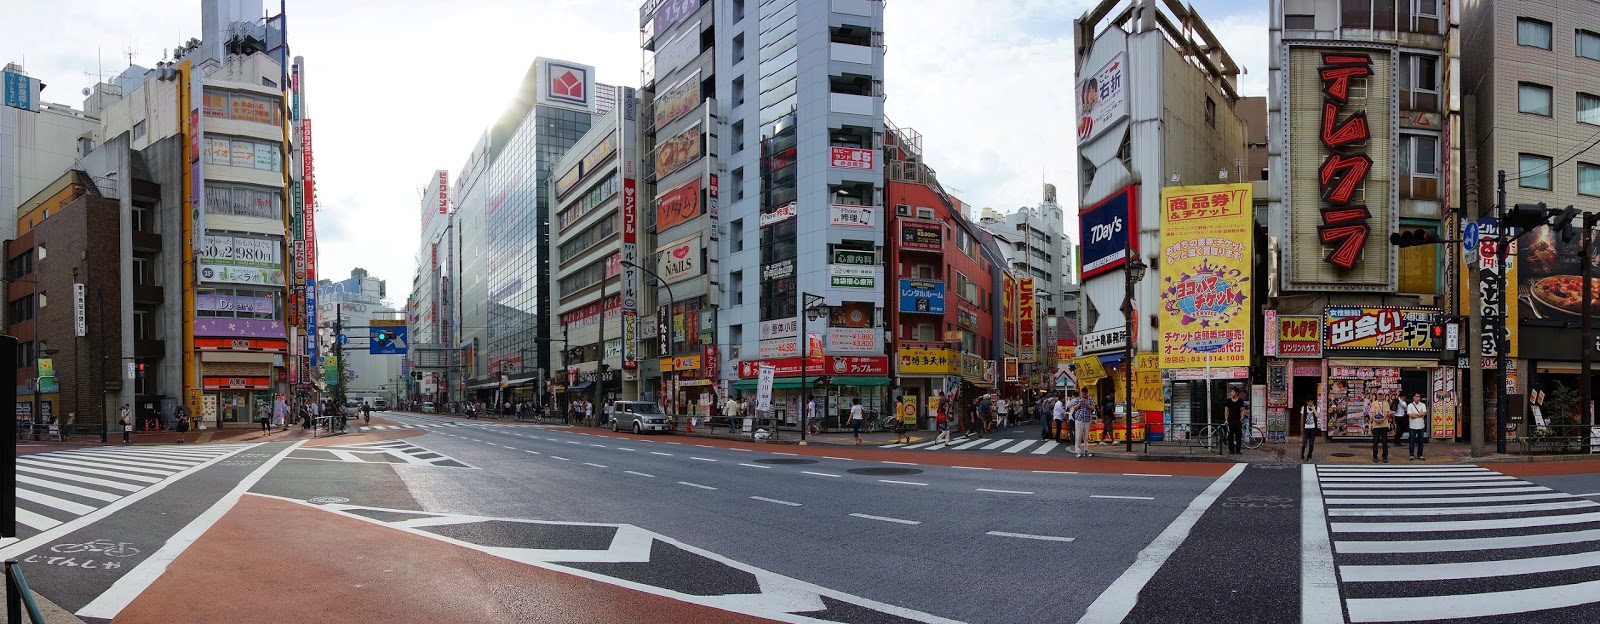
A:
(1593, 141)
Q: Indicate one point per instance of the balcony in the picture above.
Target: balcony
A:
(148, 294)
(851, 104)
(849, 53)
(146, 241)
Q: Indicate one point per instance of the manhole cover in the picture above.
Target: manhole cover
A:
(786, 461)
(329, 500)
(1341, 454)
(885, 472)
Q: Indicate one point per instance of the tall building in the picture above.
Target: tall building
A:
(1155, 105)
(1533, 107)
(1365, 141)
(1030, 238)
(428, 309)
(781, 104)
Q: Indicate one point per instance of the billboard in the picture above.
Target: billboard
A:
(565, 84)
(852, 216)
(1102, 98)
(19, 91)
(850, 158)
(681, 260)
(678, 206)
(921, 296)
(1299, 336)
(923, 236)
(678, 100)
(673, 11)
(678, 152)
(1109, 229)
(1206, 264)
(1008, 306)
(444, 191)
(1027, 323)
(1389, 329)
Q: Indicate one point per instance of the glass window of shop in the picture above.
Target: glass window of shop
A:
(243, 153)
(588, 238)
(245, 303)
(591, 199)
(243, 107)
(244, 201)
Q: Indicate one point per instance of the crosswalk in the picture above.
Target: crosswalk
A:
(382, 452)
(1003, 445)
(1439, 543)
(57, 487)
(437, 425)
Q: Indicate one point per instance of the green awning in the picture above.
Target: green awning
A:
(855, 380)
(781, 383)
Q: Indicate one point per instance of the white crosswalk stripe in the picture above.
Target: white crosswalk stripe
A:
(1474, 543)
(59, 486)
(1033, 447)
(380, 452)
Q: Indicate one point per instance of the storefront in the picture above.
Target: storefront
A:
(1382, 354)
(235, 399)
(922, 375)
(835, 381)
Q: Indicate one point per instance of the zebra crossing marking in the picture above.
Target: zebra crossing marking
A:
(379, 452)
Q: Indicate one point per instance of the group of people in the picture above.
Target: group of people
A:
(1386, 415)
(1078, 411)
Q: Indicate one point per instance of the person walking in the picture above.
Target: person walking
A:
(941, 421)
(1108, 415)
(1233, 412)
(813, 422)
(280, 415)
(858, 417)
(125, 416)
(1082, 415)
(730, 410)
(1398, 405)
(1417, 421)
(1308, 431)
(1382, 421)
(264, 415)
(1058, 418)
(1000, 413)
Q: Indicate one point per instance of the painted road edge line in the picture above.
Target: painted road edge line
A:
(117, 597)
(1319, 586)
(756, 466)
(1047, 538)
(1122, 497)
(774, 500)
(23, 546)
(900, 482)
(820, 474)
(1117, 601)
(885, 519)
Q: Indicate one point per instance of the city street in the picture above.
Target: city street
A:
(439, 518)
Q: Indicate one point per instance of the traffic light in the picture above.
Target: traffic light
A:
(1414, 238)
(1562, 223)
(384, 335)
(1526, 215)
(1440, 340)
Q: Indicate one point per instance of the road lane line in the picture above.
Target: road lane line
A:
(640, 474)
(111, 602)
(115, 485)
(885, 519)
(895, 445)
(1467, 544)
(757, 466)
(970, 444)
(774, 500)
(1003, 491)
(897, 462)
(783, 453)
(1466, 570)
(660, 453)
(620, 448)
(1319, 586)
(1056, 471)
(1144, 474)
(534, 452)
(1049, 445)
(820, 474)
(1586, 495)
(1117, 601)
(62, 504)
(36, 521)
(702, 459)
(560, 458)
(1122, 497)
(1465, 510)
(916, 446)
(900, 482)
(696, 485)
(971, 468)
(70, 489)
(1047, 538)
(595, 465)
(599, 445)
(838, 458)
(1455, 606)
(104, 473)
(1461, 525)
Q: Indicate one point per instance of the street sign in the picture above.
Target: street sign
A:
(80, 319)
(764, 387)
(343, 339)
(129, 373)
(1452, 336)
(386, 339)
(1469, 237)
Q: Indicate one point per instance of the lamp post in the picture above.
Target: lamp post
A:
(672, 352)
(811, 306)
(1134, 274)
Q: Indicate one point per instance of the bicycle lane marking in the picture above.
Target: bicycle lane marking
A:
(111, 602)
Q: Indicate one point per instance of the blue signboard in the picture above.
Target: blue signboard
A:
(922, 296)
(386, 340)
(18, 91)
(1108, 229)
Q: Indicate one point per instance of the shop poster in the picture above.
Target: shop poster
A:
(1350, 389)
(1206, 260)
(1444, 404)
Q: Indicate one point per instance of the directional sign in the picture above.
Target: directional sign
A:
(386, 339)
(343, 340)
(1469, 237)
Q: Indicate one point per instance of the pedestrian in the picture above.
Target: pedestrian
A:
(858, 417)
(1000, 413)
(125, 416)
(180, 415)
(1233, 412)
(1398, 406)
(941, 422)
(730, 410)
(607, 413)
(813, 422)
(1417, 419)
(902, 433)
(1382, 420)
(280, 415)
(264, 414)
(1058, 418)
(1082, 414)
(1108, 416)
(1308, 431)
(72, 420)
(588, 412)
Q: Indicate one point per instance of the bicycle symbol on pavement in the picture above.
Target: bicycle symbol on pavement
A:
(99, 546)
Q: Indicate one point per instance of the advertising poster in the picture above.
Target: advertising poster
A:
(921, 236)
(852, 216)
(1350, 389)
(1391, 329)
(1444, 403)
(922, 296)
(681, 260)
(850, 158)
(678, 206)
(1206, 257)
(678, 152)
(1109, 229)
(677, 101)
(1147, 386)
(1102, 98)
(1027, 324)
(1009, 303)
(1299, 336)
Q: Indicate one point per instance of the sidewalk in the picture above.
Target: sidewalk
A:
(1326, 452)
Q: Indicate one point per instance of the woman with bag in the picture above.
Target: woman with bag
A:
(942, 423)
(1382, 420)
(126, 418)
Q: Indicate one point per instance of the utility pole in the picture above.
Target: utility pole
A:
(338, 354)
(105, 419)
(1474, 397)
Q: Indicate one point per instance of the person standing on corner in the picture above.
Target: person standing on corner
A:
(1380, 417)
(1233, 411)
(1000, 413)
(125, 416)
(730, 410)
(1058, 418)
(1417, 421)
(858, 417)
(1082, 415)
(1308, 431)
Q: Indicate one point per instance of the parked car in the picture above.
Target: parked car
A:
(428, 408)
(381, 405)
(639, 417)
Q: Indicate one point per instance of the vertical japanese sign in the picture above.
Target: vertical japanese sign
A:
(1009, 299)
(197, 186)
(1206, 256)
(1489, 292)
(310, 220)
(1027, 325)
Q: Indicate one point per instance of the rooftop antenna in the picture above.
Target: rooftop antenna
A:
(130, 51)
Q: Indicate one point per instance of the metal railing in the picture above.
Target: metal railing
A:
(19, 596)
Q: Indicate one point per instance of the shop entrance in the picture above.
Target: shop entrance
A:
(1304, 389)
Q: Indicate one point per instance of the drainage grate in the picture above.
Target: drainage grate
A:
(1341, 454)
(885, 472)
(786, 461)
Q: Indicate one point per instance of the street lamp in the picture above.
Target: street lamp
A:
(672, 351)
(1134, 274)
(813, 307)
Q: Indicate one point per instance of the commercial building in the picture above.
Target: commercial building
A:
(1030, 239)
(38, 141)
(431, 350)
(359, 300)
(1365, 140)
(1155, 101)
(780, 103)
(1533, 100)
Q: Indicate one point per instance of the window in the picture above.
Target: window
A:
(738, 10)
(738, 136)
(1533, 33)
(735, 340)
(588, 238)
(1588, 109)
(21, 265)
(243, 107)
(243, 153)
(738, 47)
(736, 185)
(1425, 8)
(44, 299)
(142, 328)
(1300, 22)
(1533, 171)
(923, 271)
(138, 130)
(736, 284)
(736, 235)
(1588, 179)
(1419, 82)
(1419, 167)
(923, 332)
(244, 201)
(1533, 99)
(1211, 112)
(1422, 262)
(924, 213)
(966, 288)
(21, 310)
(24, 355)
(738, 91)
(1588, 45)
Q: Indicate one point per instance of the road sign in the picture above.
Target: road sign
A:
(343, 340)
(1469, 237)
(386, 339)
(764, 387)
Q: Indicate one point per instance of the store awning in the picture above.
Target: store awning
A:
(580, 386)
(780, 383)
(857, 380)
(1111, 359)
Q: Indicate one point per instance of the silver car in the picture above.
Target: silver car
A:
(639, 417)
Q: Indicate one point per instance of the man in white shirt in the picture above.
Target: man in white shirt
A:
(1417, 422)
(1000, 412)
(1058, 418)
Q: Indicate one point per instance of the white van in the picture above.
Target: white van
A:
(427, 407)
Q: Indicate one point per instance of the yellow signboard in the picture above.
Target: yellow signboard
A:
(908, 411)
(1206, 256)
(1147, 383)
(1089, 369)
(927, 362)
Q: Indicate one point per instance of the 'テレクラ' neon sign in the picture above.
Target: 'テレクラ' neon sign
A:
(1343, 172)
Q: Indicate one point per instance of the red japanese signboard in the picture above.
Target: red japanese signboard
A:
(871, 365)
(1345, 170)
(851, 158)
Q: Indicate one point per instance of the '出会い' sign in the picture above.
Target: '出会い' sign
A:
(1392, 329)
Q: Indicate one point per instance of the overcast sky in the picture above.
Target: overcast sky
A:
(400, 88)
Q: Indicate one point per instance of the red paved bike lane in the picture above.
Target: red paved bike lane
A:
(273, 561)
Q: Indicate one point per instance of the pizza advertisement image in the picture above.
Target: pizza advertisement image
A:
(1550, 278)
